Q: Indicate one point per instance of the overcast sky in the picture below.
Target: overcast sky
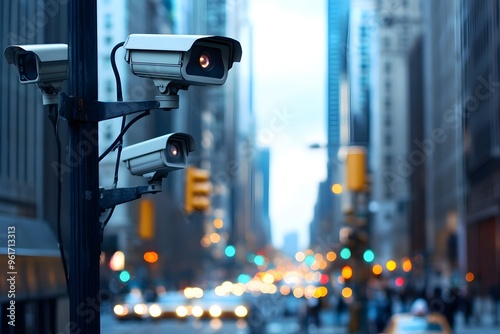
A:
(289, 54)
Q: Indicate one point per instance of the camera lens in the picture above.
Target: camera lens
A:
(173, 149)
(27, 67)
(174, 152)
(205, 61)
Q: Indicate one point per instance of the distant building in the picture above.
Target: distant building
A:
(478, 116)
(395, 29)
(441, 141)
(337, 123)
(261, 226)
(358, 52)
(220, 119)
(291, 244)
(29, 182)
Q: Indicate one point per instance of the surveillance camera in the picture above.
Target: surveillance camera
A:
(43, 64)
(177, 61)
(155, 158)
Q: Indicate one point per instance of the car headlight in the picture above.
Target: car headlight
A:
(215, 311)
(140, 309)
(241, 311)
(197, 311)
(155, 310)
(120, 310)
(181, 311)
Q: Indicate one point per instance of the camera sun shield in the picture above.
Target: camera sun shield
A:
(156, 157)
(181, 60)
(43, 64)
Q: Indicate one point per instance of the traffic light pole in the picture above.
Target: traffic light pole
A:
(356, 184)
(84, 174)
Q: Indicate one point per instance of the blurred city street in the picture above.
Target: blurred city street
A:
(250, 166)
(273, 325)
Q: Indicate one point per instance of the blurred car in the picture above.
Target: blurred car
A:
(212, 305)
(170, 305)
(418, 320)
(133, 306)
(408, 323)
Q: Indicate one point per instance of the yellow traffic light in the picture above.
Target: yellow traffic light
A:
(356, 168)
(198, 189)
(146, 219)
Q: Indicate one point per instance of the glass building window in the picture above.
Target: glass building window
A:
(387, 67)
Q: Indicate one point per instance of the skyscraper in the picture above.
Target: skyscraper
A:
(337, 115)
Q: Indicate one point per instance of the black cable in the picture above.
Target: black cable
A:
(120, 136)
(53, 116)
(119, 140)
(119, 93)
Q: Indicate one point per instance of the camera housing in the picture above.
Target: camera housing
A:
(43, 64)
(177, 61)
(155, 158)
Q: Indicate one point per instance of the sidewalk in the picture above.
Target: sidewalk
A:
(486, 326)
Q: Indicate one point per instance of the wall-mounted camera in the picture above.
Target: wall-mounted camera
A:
(155, 158)
(43, 64)
(177, 61)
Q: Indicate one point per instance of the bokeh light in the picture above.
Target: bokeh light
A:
(469, 277)
(391, 265)
(347, 292)
(331, 256)
(377, 269)
(337, 189)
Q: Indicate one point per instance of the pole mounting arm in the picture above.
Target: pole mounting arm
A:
(109, 198)
(78, 109)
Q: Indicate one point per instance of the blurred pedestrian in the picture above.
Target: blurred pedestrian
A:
(382, 309)
(495, 295)
(313, 311)
(340, 309)
(450, 303)
(467, 302)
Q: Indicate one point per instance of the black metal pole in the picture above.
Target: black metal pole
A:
(84, 175)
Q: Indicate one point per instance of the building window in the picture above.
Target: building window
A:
(107, 21)
(387, 104)
(109, 86)
(387, 67)
(388, 161)
(388, 140)
(387, 43)
(388, 121)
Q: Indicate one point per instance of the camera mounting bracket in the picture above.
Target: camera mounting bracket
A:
(109, 198)
(73, 108)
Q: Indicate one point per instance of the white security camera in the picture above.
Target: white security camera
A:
(43, 64)
(177, 61)
(155, 158)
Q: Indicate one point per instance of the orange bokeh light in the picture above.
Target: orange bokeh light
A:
(407, 265)
(331, 256)
(151, 257)
(377, 269)
(346, 272)
(346, 292)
